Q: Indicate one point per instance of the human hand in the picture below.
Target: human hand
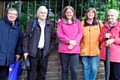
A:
(73, 42)
(25, 55)
(70, 47)
(109, 42)
(17, 57)
(107, 35)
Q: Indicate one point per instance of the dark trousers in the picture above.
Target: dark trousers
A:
(3, 72)
(39, 65)
(73, 61)
(114, 71)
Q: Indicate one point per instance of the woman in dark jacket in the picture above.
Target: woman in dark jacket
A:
(10, 41)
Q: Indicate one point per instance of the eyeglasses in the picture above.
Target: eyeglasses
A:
(12, 13)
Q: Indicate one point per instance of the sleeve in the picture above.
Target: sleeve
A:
(26, 37)
(80, 32)
(52, 40)
(117, 38)
(62, 37)
(100, 24)
(18, 49)
(102, 34)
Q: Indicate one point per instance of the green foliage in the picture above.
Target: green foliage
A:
(114, 5)
(101, 7)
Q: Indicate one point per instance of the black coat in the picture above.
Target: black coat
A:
(10, 41)
(30, 43)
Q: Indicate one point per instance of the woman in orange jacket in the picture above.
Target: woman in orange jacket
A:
(90, 44)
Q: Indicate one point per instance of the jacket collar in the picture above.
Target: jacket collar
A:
(66, 22)
(107, 24)
(93, 23)
(17, 22)
(46, 22)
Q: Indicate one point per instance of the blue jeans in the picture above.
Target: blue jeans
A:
(73, 60)
(90, 67)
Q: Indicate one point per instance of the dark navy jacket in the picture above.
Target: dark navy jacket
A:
(10, 41)
(30, 43)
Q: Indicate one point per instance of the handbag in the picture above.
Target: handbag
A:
(14, 70)
(26, 64)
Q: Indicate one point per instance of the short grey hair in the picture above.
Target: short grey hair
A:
(12, 9)
(41, 7)
(114, 11)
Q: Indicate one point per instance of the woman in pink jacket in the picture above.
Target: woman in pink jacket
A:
(69, 32)
(110, 36)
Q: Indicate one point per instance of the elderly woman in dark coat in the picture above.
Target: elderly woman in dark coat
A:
(10, 41)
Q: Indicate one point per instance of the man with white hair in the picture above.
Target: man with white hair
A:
(37, 43)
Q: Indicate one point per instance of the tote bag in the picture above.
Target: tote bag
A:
(14, 70)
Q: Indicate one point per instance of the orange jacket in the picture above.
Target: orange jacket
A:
(90, 41)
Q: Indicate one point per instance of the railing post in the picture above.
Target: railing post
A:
(3, 9)
(81, 11)
(55, 12)
(19, 8)
(69, 2)
(34, 13)
(62, 7)
(48, 8)
(75, 6)
(27, 12)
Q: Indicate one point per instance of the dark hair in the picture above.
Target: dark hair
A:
(91, 9)
(64, 11)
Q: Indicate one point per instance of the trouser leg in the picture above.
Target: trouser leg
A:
(74, 61)
(3, 72)
(85, 67)
(64, 63)
(42, 68)
(33, 66)
(94, 62)
(116, 71)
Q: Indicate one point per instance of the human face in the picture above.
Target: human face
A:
(42, 14)
(111, 17)
(69, 14)
(90, 15)
(12, 15)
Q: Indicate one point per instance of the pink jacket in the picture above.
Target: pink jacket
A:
(67, 32)
(115, 47)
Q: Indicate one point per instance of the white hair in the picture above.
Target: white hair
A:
(114, 11)
(13, 9)
(41, 7)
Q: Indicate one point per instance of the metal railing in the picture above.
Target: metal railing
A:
(55, 7)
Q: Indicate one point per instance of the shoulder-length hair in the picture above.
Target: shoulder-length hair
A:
(64, 11)
(91, 9)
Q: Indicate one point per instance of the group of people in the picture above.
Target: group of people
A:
(87, 40)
